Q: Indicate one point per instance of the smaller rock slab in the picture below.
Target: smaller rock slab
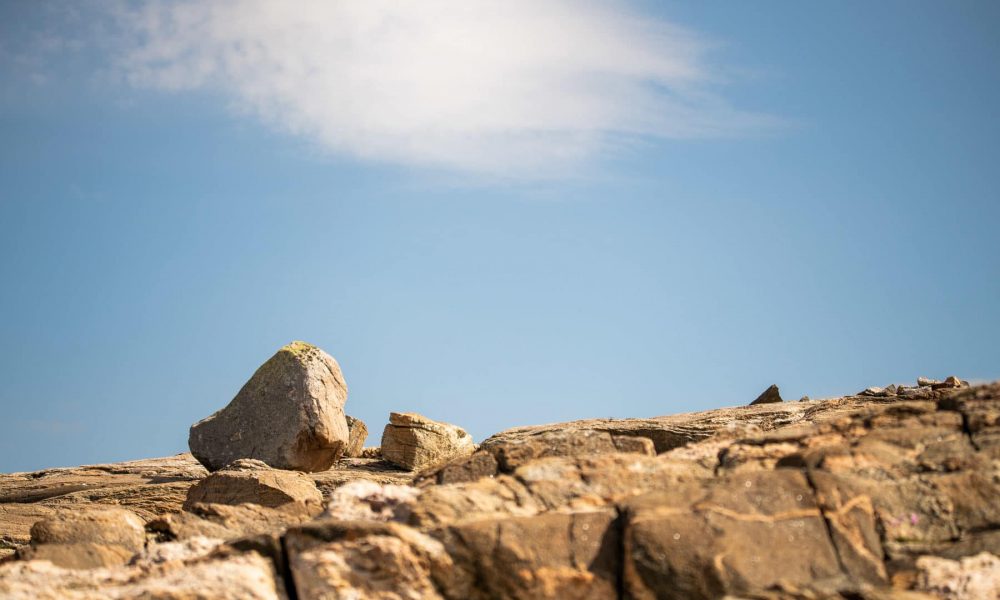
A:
(253, 482)
(414, 442)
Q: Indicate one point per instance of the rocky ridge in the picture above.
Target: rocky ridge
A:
(891, 493)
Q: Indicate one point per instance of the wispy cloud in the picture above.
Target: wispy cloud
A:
(493, 86)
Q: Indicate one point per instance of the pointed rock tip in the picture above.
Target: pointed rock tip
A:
(770, 396)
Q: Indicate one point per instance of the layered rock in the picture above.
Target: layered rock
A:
(415, 442)
(290, 415)
(869, 496)
(253, 482)
(238, 577)
(357, 434)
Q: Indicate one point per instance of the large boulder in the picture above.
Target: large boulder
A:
(415, 442)
(290, 415)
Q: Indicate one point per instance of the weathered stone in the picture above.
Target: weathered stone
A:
(768, 396)
(740, 534)
(369, 501)
(248, 576)
(552, 555)
(367, 560)
(357, 434)
(552, 483)
(972, 578)
(228, 522)
(884, 497)
(78, 555)
(105, 526)
(512, 453)
(415, 442)
(290, 415)
(352, 469)
(253, 482)
(465, 468)
(371, 452)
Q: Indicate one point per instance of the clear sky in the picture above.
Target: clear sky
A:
(491, 213)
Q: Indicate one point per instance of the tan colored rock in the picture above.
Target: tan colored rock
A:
(290, 415)
(351, 469)
(239, 577)
(371, 452)
(387, 561)
(703, 540)
(358, 433)
(225, 522)
(97, 525)
(415, 442)
(552, 555)
(78, 555)
(253, 482)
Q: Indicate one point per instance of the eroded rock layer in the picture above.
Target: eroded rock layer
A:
(894, 493)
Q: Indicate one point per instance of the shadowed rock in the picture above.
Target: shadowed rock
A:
(768, 396)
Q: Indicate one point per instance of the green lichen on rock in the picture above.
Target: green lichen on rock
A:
(289, 414)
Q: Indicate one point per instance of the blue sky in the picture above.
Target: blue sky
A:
(611, 209)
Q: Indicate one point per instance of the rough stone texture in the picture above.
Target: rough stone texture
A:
(253, 482)
(248, 576)
(872, 497)
(552, 555)
(290, 415)
(351, 469)
(972, 578)
(225, 522)
(363, 500)
(78, 555)
(340, 559)
(105, 525)
(415, 442)
(357, 434)
(769, 396)
(704, 540)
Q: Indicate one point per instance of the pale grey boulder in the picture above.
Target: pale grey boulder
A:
(290, 415)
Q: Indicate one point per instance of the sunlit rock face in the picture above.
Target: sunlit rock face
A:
(290, 415)
(891, 493)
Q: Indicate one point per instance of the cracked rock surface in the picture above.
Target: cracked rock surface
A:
(882, 495)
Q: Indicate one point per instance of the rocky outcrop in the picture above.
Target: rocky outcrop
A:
(290, 415)
(415, 442)
(867, 496)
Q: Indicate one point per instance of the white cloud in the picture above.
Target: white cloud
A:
(494, 86)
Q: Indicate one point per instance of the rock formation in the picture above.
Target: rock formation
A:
(415, 442)
(358, 433)
(873, 496)
(249, 481)
(290, 415)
